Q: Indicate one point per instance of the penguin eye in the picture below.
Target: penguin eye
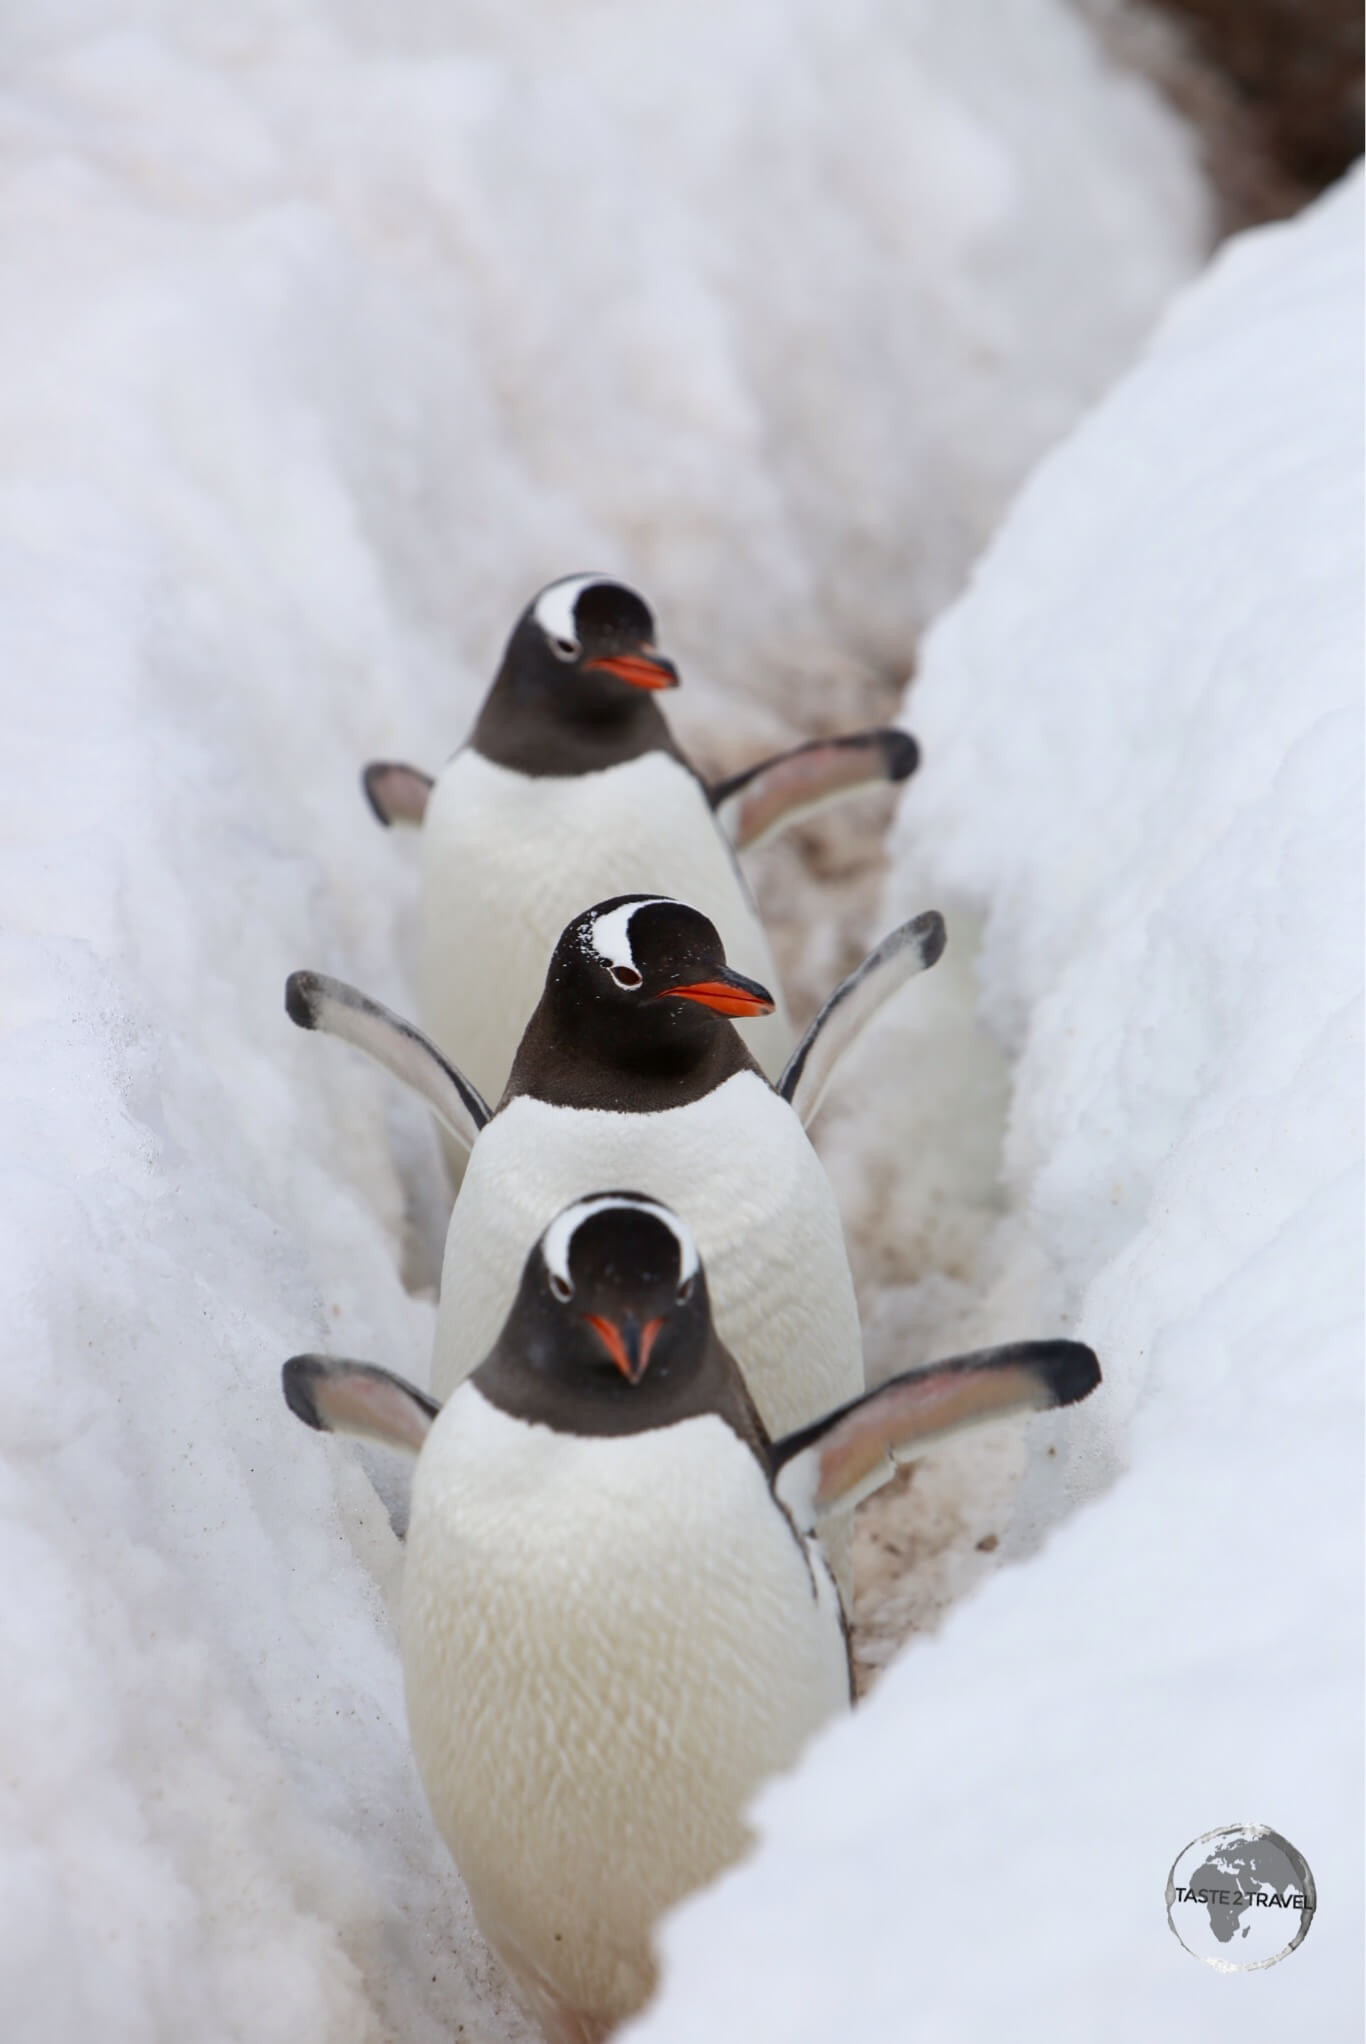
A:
(561, 1287)
(565, 649)
(627, 976)
(684, 1292)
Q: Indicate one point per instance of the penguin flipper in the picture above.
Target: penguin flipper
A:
(316, 1002)
(396, 793)
(829, 1466)
(911, 948)
(340, 1397)
(751, 806)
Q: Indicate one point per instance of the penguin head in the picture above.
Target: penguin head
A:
(585, 646)
(643, 976)
(613, 1302)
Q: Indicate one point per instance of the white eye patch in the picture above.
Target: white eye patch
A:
(559, 1236)
(610, 936)
(554, 608)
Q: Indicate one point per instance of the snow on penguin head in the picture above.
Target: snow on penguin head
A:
(641, 969)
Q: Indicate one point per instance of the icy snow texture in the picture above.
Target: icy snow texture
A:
(1143, 739)
(328, 338)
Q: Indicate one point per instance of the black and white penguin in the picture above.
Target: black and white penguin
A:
(570, 788)
(630, 1070)
(615, 1621)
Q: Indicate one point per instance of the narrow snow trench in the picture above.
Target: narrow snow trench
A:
(338, 330)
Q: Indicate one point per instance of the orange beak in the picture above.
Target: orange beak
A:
(729, 995)
(629, 1345)
(642, 670)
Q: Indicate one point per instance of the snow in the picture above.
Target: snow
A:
(331, 335)
(1142, 730)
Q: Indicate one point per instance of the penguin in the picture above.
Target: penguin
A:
(631, 1068)
(616, 1622)
(570, 788)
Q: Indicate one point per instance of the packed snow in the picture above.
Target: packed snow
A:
(1143, 738)
(331, 334)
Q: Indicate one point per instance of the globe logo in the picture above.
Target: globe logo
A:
(1240, 1898)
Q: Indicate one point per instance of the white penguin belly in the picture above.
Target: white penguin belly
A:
(508, 860)
(738, 1168)
(607, 1645)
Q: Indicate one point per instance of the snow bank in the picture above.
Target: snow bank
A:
(1143, 746)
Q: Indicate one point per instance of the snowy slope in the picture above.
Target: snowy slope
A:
(1143, 734)
(329, 334)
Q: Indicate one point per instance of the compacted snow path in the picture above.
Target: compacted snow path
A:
(1145, 776)
(331, 333)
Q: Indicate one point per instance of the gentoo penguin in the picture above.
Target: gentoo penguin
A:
(570, 788)
(615, 1624)
(631, 1069)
